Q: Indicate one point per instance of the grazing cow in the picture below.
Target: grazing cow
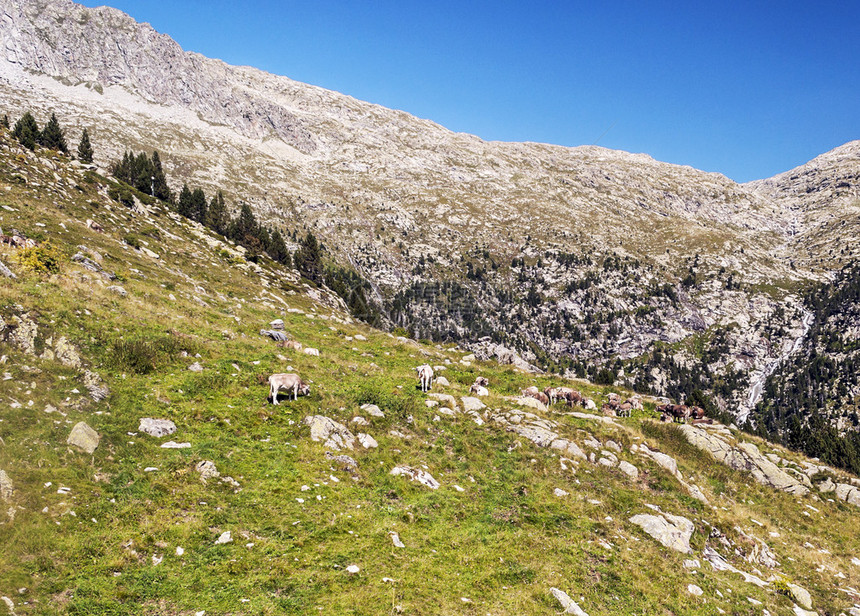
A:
(290, 344)
(530, 392)
(551, 393)
(482, 381)
(679, 412)
(608, 410)
(625, 409)
(290, 383)
(541, 397)
(94, 225)
(697, 412)
(479, 390)
(425, 377)
(574, 397)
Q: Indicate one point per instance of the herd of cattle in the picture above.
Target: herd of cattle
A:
(614, 406)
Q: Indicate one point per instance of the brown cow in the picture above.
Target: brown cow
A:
(289, 382)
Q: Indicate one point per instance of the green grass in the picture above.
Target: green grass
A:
(502, 543)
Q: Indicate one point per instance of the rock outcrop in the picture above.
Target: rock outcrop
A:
(331, 433)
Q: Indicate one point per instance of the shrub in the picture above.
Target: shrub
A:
(42, 259)
(132, 240)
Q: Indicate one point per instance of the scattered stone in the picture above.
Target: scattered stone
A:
(431, 403)
(84, 437)
(5, 271)
(613, 446)
(353, 569)
(360, 338)
(801, 596)
(472, 404)
(195, 367)
(334, 435)
(416, 474)
(628, 469)
(277, 336)
(560, 493)
(799, 611)
(672, 531)
(6, 488)
(692, 564)
(367, 441)
(207, 470)
(277, 324)
(311, 351)
(395, 539)
(358, 420)
(721, 564)
(848, 493)
(446, 399)
(441, 381)
(95, 386)
(529, 402)
(568, 604)
(115, 288)
(156, 427)
(9, 604)
(226, 537)
(372, 410)
(662, 459)
(175, 445)
(345, 462)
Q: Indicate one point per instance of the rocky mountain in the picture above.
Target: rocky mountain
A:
(143, 471)
(581, 260)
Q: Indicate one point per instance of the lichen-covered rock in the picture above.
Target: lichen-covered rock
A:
(744, 457)
(472, 404)
(372, 410)
(672, 531)
(6, 488)
(84, 437)
(156, 427)
(333, 434)
(207, 470)
(367, 441)
(416, 474)
(628, 469)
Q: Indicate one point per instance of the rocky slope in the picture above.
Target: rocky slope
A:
(143, 471)
(574, 258)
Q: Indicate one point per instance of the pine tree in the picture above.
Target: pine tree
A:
(52, 136)
(123, 169)
(185, 206)
(143, 174)
(85, 149)
(198, 205)
(4, 121)
(278, 249)
(244, 225)
(216, 215)
(160, 190)
(308, 259)
(26, 131)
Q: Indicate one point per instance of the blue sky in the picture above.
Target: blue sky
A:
(748, 90)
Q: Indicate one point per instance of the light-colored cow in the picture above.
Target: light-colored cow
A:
(288, 382)
(479, 390)
(311, 351)
(425, 377)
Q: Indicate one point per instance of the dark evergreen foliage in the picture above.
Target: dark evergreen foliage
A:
(85, 148)
(52, 136)
(160, 190)
(27, 131)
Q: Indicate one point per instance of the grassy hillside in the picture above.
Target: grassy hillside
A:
(132, 529)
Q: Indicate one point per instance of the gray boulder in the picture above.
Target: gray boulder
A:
(333, 434)
(84, 437)
(156, 427)
(672, 531)
(5, 486)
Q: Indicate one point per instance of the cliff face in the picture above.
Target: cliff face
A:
(575, 257)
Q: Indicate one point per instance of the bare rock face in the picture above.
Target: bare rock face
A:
(744, 457)
(84, 437)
